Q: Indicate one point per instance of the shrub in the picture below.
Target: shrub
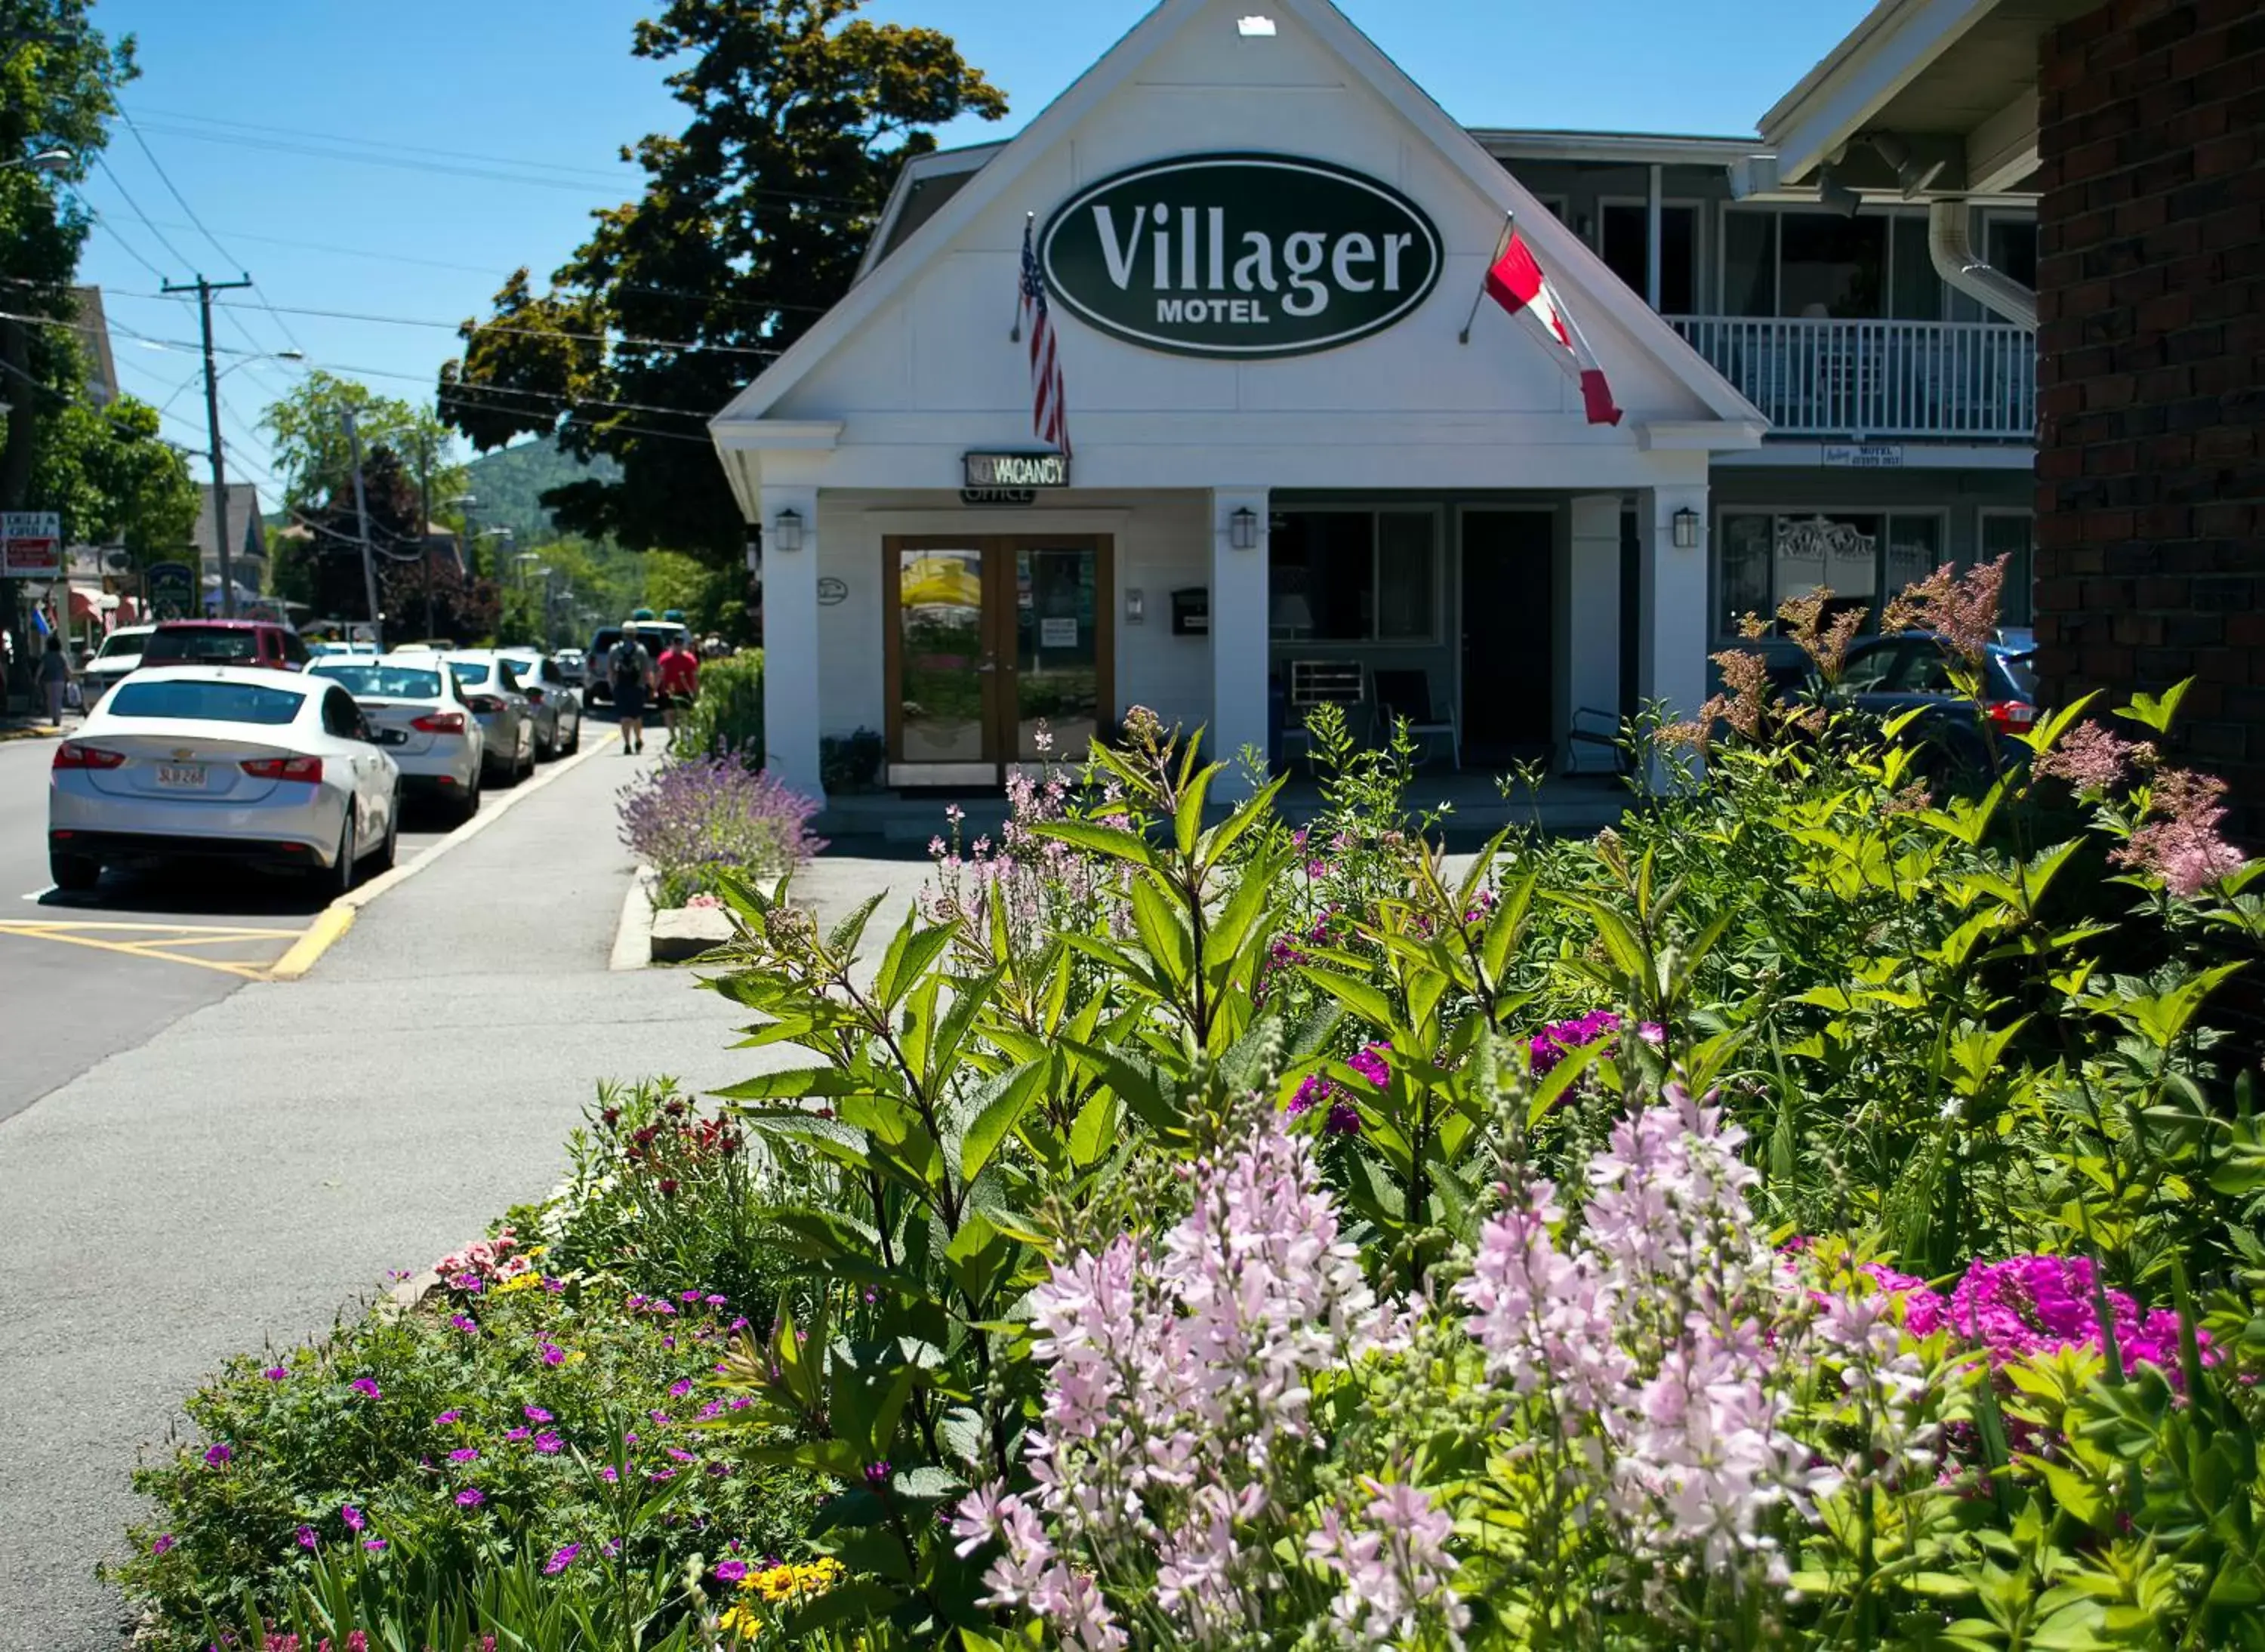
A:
(693, 821)
(726, 716)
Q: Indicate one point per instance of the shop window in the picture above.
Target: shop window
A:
(1340, 576)
(1628, 245)
(1764, 557)
(2013, 536)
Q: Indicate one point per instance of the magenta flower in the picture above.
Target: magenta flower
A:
(465, 1455)
(518, 1434)
(353, 1516)
(365, 1387)
(376, 1546)
(731, 1571)
(679, 1388)
(2029, 1305)
(307, 1537)
(562, 1560)
(276, 1373)
(446, 1418)
(609, 1474)
(164, 1540)
(548, 1444)
(470, 1497)
(217, 1454)
(534, 1413)
(470, 1327)
(681, 1456)
(552, 1355)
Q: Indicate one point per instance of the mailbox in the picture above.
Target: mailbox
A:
(1191, 611)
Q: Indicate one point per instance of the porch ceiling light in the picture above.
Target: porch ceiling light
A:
(1242, 529)
(1687, 529)
(1835, 196)
(788, 530)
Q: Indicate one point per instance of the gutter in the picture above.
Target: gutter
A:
(1952, 254)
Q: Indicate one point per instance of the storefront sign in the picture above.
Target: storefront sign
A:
(1820, 539)
(31, 545)
(833, 593)
(1869, 456)
(1017, 471)
(997, 496)
(172, 591)
(1241, 255)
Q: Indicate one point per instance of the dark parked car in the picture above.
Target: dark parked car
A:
(1905, 670)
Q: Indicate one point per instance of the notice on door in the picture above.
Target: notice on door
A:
(1057, 633)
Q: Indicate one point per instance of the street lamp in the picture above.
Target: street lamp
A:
(47, 161)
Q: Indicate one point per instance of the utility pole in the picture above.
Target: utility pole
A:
(362, 519)
(425, 527)
(204, 290)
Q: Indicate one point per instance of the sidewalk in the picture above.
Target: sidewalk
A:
(256, 1168)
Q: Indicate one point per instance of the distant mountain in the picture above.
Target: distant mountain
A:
(510, 481)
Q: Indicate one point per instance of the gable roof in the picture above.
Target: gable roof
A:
(244, 526)
(1575, 269)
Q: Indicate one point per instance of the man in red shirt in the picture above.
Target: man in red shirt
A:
(679, 671)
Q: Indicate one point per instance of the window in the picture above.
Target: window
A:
(1832, 265)
(1353, 576)
(1749, 263)
(2011, 535)
(204, 702)
(1820, 264)
(2013, 248)
(1627, 249)
(365, 680)
(1864, 556)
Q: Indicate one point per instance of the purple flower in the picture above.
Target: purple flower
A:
(1556, 1040)
(1371, 1065)
(731, 1571)
(518, 1434)
(554, 1285)
(446, 1418)
(365, 1387)
(553, 1355)
(562, 1560)
(716, 1301)
(217, 1454)
(548, 1444)
(609, 1474)
(470, 1327)
(534, 1413)
(276, 1373)
(877, 1473)
(681, 1456)
(470, 1497)
(465, 1455)
(307, 1537)
(662, 1473)
(1343, 1119)
(353, 1516)
(687, 1296)
(376, 1546)
(164, 1540)
(679, 1389)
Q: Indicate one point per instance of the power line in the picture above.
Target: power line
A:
(125, 246)
(591, 172)
(103, 161)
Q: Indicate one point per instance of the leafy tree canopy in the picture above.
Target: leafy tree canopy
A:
(750, 227)
(316, 458)
(104, 471)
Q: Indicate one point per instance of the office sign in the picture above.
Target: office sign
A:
(31, 545)
(997, 496)
(993, 470)
(1865, 455)
(1241, 256)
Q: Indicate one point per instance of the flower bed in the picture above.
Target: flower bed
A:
(1813, 1214)
(694, 821)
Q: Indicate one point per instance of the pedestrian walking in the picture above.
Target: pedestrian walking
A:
(678, 671)
(629, 670)
(55, 676)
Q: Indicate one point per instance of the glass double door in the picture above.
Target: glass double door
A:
(999, 651)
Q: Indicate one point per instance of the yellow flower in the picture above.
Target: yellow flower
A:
(809, 1580)
(518, 1282)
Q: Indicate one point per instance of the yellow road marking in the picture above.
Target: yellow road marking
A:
(167, 928)
(248, 969)
(320, 937)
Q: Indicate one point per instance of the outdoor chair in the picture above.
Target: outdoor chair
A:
(1594, 730)
(1405, 695)
(1319, 682)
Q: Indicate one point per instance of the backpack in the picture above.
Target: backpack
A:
(629, 664)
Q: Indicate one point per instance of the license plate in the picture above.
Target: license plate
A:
(186, 776)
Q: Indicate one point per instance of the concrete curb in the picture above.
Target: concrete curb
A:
(336, 918)
(633, 937)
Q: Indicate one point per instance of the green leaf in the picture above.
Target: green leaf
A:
(1163, 932)
(1213, 847)
(2156, 714)
(1114, 842)
(1187, 819)
(1015, 1092)
(907, 959)
(843, 938)
(1136, 1088)
(1359, 997)
(1094, 1132)
(790, 1083)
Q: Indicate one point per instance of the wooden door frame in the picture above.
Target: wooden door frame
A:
(996, 552)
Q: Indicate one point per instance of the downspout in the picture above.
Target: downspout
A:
(1952, 254)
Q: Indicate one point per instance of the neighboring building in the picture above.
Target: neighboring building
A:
(247, 533)
(1806, 401)
(2142, 120)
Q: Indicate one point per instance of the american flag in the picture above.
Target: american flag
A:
(1049, 408)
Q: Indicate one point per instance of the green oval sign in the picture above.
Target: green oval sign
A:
(1239, 255)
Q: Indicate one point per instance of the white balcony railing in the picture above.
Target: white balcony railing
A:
(1862, 380)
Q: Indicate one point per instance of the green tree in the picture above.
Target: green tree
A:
(104, 471)
(316, 459)
(751, 225)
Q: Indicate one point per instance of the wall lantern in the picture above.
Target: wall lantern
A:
(1242, 529)
(1687, 529)
(788, 530)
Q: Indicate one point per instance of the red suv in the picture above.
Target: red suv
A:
(225, 643)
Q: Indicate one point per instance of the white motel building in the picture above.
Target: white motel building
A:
(1300, 468)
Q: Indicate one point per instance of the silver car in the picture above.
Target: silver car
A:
(505, 716)
(429, 728)
(222, 762)
(558, 703)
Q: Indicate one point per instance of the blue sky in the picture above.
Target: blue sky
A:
(486, 130)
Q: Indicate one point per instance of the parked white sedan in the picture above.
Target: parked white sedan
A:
(222, 762)
(420, 711)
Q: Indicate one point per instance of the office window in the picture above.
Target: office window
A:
(1627, 249)
(1353, 576)
(2013, 536)
(1866, 556)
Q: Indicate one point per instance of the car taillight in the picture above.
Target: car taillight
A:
(2011, 715)
(484, 702)
(440, 723)
(533, 696)
(308, 769)
(71, 754)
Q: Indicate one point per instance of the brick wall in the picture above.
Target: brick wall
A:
(2151, 372)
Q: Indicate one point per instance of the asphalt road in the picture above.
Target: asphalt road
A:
(257, 1164)
(71, 991)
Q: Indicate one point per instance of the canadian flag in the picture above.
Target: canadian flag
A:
(1516, 282)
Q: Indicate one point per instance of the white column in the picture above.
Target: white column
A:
(1239, 599)
(1652, 234)
(1589, 635)
(1672, 610)
(791, 713)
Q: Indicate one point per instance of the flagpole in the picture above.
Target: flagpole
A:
(1501, 241)
(1015, 333)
